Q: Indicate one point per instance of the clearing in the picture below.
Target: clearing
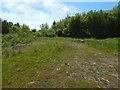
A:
(61, 63)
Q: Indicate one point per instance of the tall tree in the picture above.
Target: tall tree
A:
(44, 26)
(5, 28)
(74, 26)
(54, 23)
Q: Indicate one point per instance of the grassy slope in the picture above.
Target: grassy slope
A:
(60, 62)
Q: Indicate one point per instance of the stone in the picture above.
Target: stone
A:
(94, 63)
(105, 81)
(104, 64)
(110, 66)
(31, 82)
(58, 69)
(82, 41)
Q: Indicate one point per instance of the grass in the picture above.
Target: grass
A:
(38, 56)
(109, 45)
(42, 62)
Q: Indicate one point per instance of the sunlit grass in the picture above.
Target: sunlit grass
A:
(37, 62)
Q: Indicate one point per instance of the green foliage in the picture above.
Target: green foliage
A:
(25, 28)
(5, 28)
(44, 26)
(15, 29)
(33, 30)
(74, 26)
(96, 24)
(54, 23)
(16, 38)
(66, 32)
(47, 33)
(59, 32)
(9, 27)
(102, 24)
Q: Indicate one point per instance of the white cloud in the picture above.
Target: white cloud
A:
(58, 7)
(34, 13)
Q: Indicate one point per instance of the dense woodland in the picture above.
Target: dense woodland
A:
(96, 24)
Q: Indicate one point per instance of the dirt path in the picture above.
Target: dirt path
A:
(91, 65)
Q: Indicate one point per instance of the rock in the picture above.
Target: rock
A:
(104, 64)
(82, 41)
(95, 54)
(105, 81)
(99, 86)
(31, 82)
(99, 53)
(101, 66)
(98, 79)
(115, 75)
(110, 66)
(89, 79)
(58, 69)
(97, 72)
(67, 74)
(94, 63)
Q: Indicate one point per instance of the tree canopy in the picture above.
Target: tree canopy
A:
(96, 24)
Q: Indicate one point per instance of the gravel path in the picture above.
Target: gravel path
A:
(100, 69)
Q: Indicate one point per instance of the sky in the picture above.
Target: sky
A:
(35, 12)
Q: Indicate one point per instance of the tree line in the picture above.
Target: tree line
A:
(96, 24)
